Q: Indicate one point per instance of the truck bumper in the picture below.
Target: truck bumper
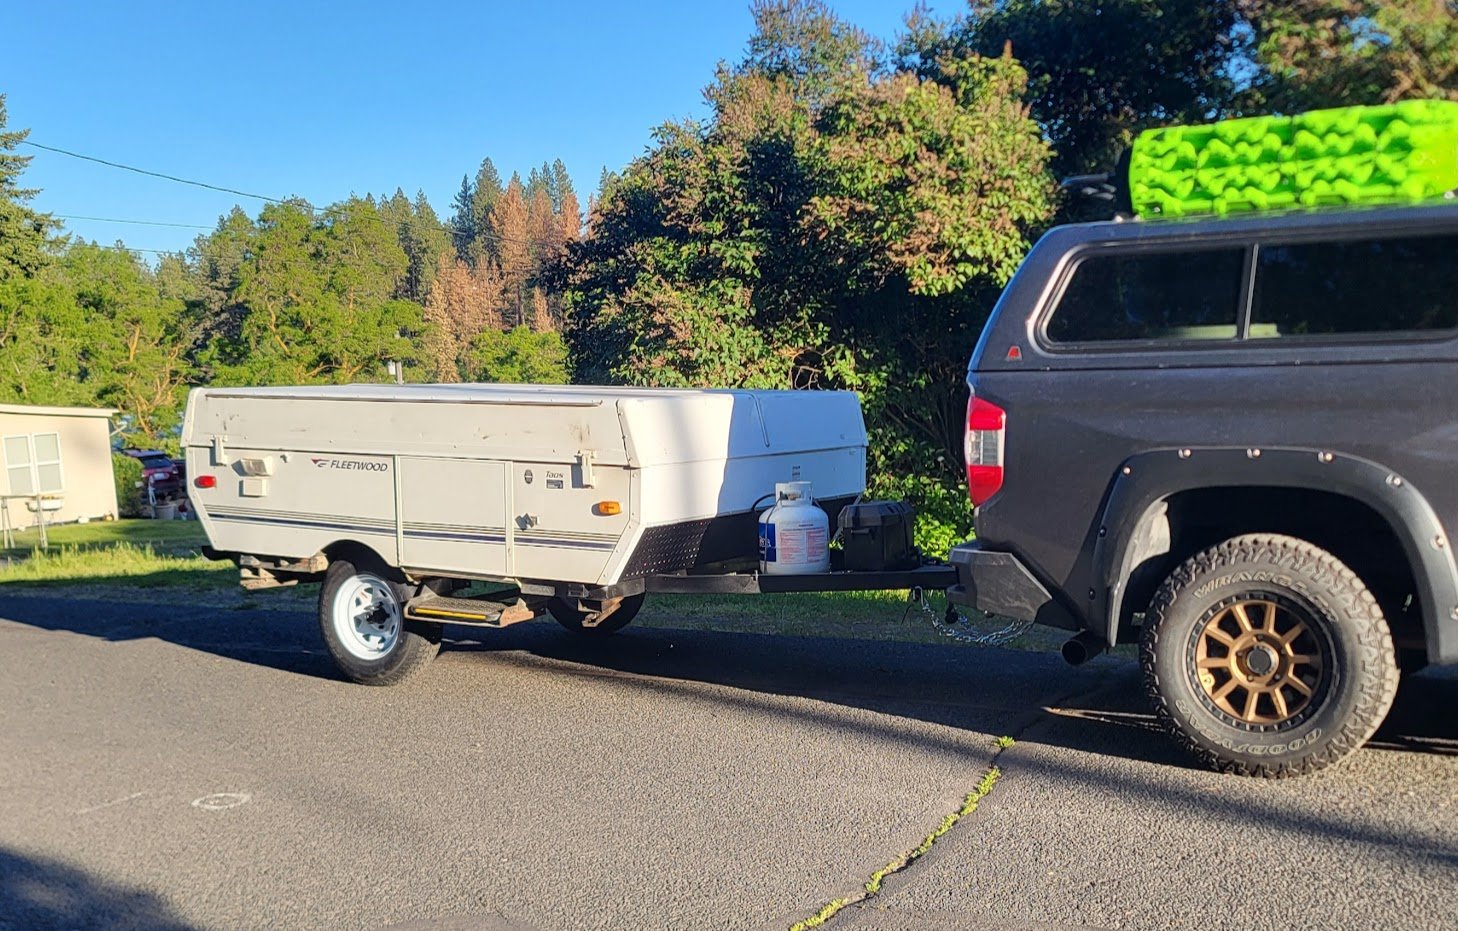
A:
(998, 583)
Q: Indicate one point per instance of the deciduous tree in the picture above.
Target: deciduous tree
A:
(1101, 72)
(833, 224)
(1324, 53)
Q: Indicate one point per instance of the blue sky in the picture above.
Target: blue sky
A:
(295, 99)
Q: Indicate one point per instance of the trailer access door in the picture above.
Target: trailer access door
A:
(453, 515)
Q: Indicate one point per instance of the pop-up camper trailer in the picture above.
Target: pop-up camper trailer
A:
(572, 498)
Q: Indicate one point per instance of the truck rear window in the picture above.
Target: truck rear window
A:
(1365, 286)
(1151, 296)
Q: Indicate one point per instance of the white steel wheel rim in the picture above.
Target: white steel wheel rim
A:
(366, 616)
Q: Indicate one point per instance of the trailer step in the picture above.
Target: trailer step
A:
(475, 611)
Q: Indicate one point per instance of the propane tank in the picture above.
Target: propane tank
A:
(794, 535)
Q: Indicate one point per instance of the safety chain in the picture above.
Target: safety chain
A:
(955, 625)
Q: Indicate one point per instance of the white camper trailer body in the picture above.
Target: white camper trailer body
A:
(582, 485)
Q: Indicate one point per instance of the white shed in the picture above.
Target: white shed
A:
(60, 453)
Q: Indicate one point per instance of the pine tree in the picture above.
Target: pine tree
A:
(428, 240)
(486, 192)
(570, 219)
(214, 262)
(513, 242)
(561, 186)
(539, 180)
(463, 218)
(544, 230)
(396, 213)
(25, 235)
(461, 306)
(542, 320)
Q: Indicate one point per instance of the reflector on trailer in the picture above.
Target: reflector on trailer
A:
(1397, 153)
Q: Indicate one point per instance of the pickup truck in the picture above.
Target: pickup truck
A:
(1232, 440)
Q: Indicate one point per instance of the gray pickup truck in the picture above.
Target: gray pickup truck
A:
(1236, 442)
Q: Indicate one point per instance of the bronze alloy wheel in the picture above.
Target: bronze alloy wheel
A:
(1265, 655)
(1259, 661)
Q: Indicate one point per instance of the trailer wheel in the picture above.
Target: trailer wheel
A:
(361, 615)
(1267, 656)
(571, 617)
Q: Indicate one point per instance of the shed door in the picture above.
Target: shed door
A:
(454, 515)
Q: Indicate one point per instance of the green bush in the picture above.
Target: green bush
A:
(943, 511)
(520, 355)
(128, 474)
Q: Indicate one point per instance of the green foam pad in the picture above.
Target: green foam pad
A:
(1396, 153)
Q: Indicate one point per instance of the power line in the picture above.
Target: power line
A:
(186, 226)
(154, 174)
(126, 248)
(227, 190)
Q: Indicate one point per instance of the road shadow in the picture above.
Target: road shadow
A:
(283, 640)
(988, 690)
(1419, 722)
(38, 894)
(1421, 719)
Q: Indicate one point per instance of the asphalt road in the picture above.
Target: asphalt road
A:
(183, 767)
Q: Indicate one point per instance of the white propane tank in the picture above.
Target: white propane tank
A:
(794, 535)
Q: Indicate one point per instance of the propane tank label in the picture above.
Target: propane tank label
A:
(790, 546)
(795, 546)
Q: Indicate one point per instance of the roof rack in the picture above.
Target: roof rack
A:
(1101, 187)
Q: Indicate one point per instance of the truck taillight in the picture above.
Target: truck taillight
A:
(986, 425)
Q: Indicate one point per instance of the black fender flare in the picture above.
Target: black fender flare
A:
(1145, 481)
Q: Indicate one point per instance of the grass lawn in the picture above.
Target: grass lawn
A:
(160, 561)
(170, 537)
(123, 559)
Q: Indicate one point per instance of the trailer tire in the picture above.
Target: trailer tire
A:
(361, 616)
(1267, 656)
(571, 617)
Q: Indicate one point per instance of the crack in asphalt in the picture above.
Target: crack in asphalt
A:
(872, 886)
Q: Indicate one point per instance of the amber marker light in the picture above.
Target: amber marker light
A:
(607, 508)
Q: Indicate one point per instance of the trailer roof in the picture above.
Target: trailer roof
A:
(572, 395)
(544, 423)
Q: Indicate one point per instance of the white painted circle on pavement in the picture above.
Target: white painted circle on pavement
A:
(222, 800)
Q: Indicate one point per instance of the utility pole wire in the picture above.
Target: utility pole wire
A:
(185, 226)
(154, 174)
(325, 211)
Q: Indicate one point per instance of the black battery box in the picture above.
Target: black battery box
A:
(876, 535)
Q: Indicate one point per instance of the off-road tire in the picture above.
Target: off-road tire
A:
(1352, 698)
(415, 644)
(570, 617)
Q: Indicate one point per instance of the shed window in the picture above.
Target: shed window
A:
(33, 463)
(1176, 296)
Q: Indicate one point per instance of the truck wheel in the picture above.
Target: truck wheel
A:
(362, 618)
(571, 617)
(1267, 656)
